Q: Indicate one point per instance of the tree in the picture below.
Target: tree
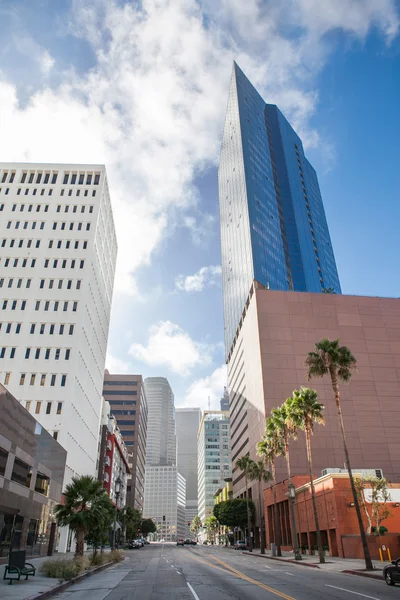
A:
(148, 526)
(245, 464)
(270, 448)
(130, 519)
(304, 411)
(195, 525)
(375, 507)
(100, 523)
(212, 526)
(233, 513)
(339, 363)
(260, 473)
(85, 501)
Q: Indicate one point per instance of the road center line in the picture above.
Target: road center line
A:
(193, 592)
(291, 574)
(351, 592)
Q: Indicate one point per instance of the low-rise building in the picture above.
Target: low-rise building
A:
(32, 466)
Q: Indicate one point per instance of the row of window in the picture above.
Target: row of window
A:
(52, 328)
(49, 407)
(23, 262)
(22, 473)
(51, 177)
(24, 225)
(36, 352)
(29, 207)
(28, 243)
(34, 192)
(32, 379)
(19, 283)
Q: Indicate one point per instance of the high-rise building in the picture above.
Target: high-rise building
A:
(165, 487)
(224, 402)
(128, 404)
(214, 464)
(274, 232)
(187, 428)
(161, 434)
(57, 261)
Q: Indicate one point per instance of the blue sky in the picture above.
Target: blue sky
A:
(142, 87)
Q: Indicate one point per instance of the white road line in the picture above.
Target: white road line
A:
(267, 567)
(179, 573)
(193, 592)
(291, 574)
(351, 592)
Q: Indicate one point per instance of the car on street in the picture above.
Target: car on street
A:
(180, 542)
(187, 542)
(193, 542)
(241, 545)
(133, 545)
(391, 573)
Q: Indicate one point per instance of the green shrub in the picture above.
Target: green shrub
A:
(100, 559)
(116, 556)
(64, 569)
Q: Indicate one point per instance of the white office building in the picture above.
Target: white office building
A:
(165, 487)
(213, 458)
(187, 428)
(58, 252)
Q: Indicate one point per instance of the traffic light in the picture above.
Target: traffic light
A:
(188, 522)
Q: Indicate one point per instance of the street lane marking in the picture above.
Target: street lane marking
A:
(193, 592)
(291, 574)
(267, 567)
(351, 592)
(179, 573)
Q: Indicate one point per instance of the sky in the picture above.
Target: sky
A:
(142, 87)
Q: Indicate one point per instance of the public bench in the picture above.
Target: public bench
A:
(17, 567)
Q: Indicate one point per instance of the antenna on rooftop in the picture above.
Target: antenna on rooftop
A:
(209, 403)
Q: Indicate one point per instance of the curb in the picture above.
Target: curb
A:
(363, 574)
(66, 584)
(283, 560)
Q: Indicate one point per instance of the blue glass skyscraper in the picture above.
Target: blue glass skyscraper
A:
(273, 225)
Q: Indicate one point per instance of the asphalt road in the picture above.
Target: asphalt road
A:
(168, 572)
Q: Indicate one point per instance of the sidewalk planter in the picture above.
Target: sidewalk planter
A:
(326, 550)
(304, 549)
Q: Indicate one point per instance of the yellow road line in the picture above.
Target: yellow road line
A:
(241, 575)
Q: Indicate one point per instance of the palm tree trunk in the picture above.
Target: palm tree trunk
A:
(262, 528)
(367, 555)
(248, 516)
(314, 502)
(293, 510)
(276, 520)
(80, 542)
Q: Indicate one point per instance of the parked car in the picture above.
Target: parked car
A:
(205, 543)
(140, 542)
(193, 542)
(187, 542)
(133, 545)
(180, 542)
(241, 545)
(391, 573)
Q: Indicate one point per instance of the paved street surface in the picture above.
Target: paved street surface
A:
(168, 572)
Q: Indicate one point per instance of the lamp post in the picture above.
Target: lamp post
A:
(118, 482)
(292, 498)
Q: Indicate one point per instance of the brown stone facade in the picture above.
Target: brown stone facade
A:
(277, 331)
(127, 398)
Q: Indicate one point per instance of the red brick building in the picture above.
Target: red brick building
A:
(336, 515)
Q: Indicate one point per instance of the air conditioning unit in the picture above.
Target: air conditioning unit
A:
(107, 461)
(106, 477)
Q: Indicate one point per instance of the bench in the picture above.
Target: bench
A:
(17, 567)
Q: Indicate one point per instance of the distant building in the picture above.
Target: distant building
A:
(214, 464)
(113, 457)
(187, 428)
(224, 402)
(32, 466)
(127, 399)
(165, 487)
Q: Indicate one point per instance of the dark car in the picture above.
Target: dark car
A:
(391, 573)
(241, 545)
(180, 543)
(187, 542)
(193, 542)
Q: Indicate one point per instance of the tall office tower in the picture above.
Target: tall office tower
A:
(165, 487)
(127, 399)
(187, 428)
(57, 261)
(224, 402)
(161, 433)
(213, 458)
(274, 232)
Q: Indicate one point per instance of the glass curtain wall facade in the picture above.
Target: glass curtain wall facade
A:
(273, 224)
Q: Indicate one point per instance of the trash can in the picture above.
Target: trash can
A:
(273, 549)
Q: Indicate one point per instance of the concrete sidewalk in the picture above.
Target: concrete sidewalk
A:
(333, 563)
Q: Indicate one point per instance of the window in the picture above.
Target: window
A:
(62, 193)
(42, 328)
(33, 325)
(38, 406)
(79, 226)
(64, 264)
(50, 192)
(46, 178)
(14, 305)
(59, 244)
(74, 306)
(54, 225)
(8, 328)
(7, 377)
(46, 263)
(42, 483)
(81, 177)
(18, 328)
(55, 435)
(55, 263)
(27, 352)
(28, 405)
(71, 330)
(37, 353)
(61, 329)
(51, 283)
(54, 178)
(23, 178)
(5, 302)
(19, 283)
(52, 328)
(59, 408)
(73, 263)
(22, 379)
(12, 352)
(56, 305)
(76, 246)
(53, 380)
(41, 284)
(29, 244)
(82, 263)
(37, 305)
(43, 379)
(78, 284)
(50, 243)
(73, 179)
(60, 283)
(23, 304)
(88, 179)
(67, 244)
(63, 380)
(90, 209)
(65, 308)
(69, 284)
(65, 181)
(48, 408)
(96, 179)
(21, 472)
(28, 283)
(67, 353)
(2, 352)
(57, 356)
(33, 377)
(58, 208)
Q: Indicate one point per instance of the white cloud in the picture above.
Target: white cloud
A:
(116, 365)
(204, 277)
(208, 388)
(171, 347)
(152, 107)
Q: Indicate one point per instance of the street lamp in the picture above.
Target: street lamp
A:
(292, 498)
(117, 487)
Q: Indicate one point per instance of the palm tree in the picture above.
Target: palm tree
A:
(260, 473)
(339, 363)
(304, 411)
(270, 448)
(83, 505)
(130, 519)
(245, 464)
